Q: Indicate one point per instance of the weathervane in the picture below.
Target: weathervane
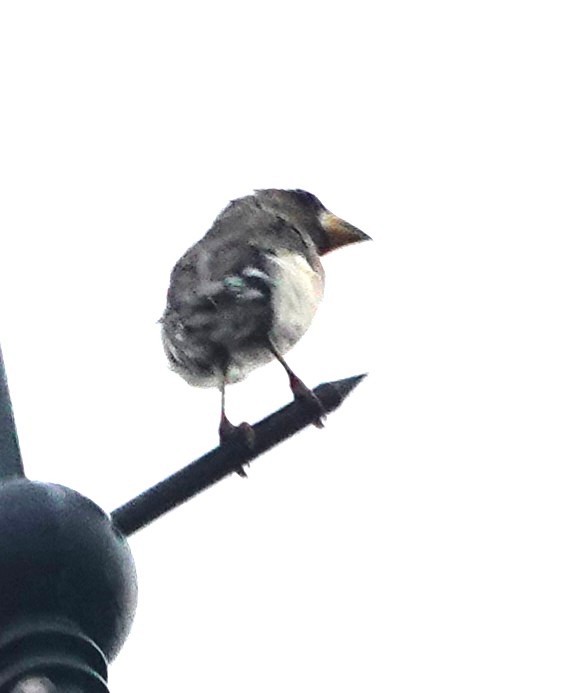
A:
(241, 296)
(68, 587)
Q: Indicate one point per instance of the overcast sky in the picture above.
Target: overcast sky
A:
(433, 536)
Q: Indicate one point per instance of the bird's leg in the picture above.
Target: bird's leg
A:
(226, 428)
(227, 431)
(300, 391)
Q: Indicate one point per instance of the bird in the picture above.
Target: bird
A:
(246, 292)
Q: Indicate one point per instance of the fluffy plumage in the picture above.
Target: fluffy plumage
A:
(248, 290)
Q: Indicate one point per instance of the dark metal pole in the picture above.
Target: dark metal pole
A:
(68, 590)
(227, 458)
(10, 459)
(67, 580)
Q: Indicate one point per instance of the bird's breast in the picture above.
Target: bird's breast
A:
(297, 291)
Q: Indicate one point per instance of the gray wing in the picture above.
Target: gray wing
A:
(219, 301)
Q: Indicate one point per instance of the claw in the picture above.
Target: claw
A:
(243, 434)
(304, 394)
(300, 391)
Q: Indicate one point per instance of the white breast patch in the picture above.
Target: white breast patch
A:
(298, 290)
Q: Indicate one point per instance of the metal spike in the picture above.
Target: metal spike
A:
(227, 458)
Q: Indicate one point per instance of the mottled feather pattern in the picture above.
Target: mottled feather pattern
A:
(249, 289)
(226, 290)
(209, 319)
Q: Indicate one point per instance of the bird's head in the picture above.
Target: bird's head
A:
(305, 211)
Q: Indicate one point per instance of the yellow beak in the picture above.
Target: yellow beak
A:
(340, 232)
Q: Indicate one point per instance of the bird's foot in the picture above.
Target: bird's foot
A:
(243, 434)
(304, 394)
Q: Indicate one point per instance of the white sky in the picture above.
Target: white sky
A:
(433, 536)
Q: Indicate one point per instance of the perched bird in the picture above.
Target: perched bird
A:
(248, 290)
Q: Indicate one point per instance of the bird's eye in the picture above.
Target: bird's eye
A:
(307, 198)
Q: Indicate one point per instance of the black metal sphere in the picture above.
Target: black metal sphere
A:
(62, 562)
